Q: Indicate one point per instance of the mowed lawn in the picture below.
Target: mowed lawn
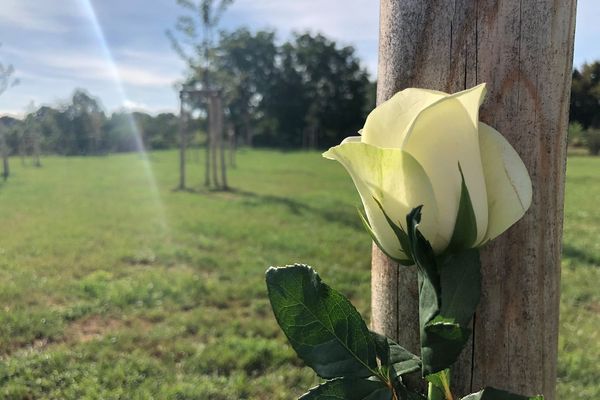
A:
(114, 286)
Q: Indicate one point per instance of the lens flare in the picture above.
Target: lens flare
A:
(90, 13)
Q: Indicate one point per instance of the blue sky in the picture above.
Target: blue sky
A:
(117, 49)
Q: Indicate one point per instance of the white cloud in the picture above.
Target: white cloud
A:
(92, 65)
(134, 105)
(348, 22)
(45, 16)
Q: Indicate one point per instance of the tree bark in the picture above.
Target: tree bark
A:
(4, 154)
(523, 50)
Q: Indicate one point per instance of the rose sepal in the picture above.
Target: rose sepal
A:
(444, 315)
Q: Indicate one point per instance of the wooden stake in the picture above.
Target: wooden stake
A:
(523, 50)
(182, 141)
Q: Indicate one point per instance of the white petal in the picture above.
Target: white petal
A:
(471, 99)
(440, 138)
(351, 139)
(398, 182)
(387, 124)
(508, 183)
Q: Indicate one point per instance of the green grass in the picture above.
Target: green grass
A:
(112, 288)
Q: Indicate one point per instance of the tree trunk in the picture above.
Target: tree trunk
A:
(36, 150)
(523, 50)
(4, 154)
(232, 145)
(248, 129)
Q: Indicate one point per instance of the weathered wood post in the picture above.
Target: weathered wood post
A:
(220, 133)
(182, 138)
(523, 50)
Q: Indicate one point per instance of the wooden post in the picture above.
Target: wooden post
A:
(523, 50)
(214, 137)
(208, 144)
(220, 132)
(182, 140)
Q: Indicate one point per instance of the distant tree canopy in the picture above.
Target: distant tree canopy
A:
(276, 94)
(81, 127)
(585, 96)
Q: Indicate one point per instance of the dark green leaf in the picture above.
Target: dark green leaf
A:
(322, 326)
(496, 394)
(393, 355)
(465, 229)
(349, 389)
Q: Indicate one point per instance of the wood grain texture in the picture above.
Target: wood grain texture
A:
(523, 50)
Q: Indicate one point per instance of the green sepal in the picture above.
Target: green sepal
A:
(406, 394)
(439, 383)
(490, 393)
(368, 228)
(349, 389)
(400, 234)
(323, 327)
(449, 291)
(464, 235)
(394, 357)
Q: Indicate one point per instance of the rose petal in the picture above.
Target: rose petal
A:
(398, 182)
(387, 124)
(441, 138)
(509, 188)
(471, 100)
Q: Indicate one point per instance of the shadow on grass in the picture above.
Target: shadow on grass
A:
(580, 255)
(346, 218)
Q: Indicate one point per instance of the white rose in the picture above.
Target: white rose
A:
(409, 154)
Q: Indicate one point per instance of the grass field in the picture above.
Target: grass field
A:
(113, 288)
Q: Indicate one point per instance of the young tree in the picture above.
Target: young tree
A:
(6, 81)
(30, 135)
(193, 40)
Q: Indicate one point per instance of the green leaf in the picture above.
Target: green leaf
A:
(349, 389)
(367, 226)
(449, 291)
(395, 356)
(465, 229)
(323, 327)
(490, 393)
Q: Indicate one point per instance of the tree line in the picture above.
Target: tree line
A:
(306, 92)
(82, 127)
(584, 115)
